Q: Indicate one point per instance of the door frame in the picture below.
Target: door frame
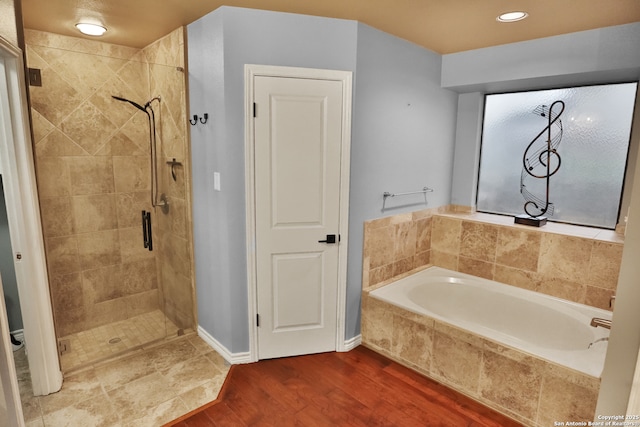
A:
(252, 71)
(23, 212)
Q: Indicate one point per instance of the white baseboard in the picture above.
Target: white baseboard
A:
(232, 358)
(352, 343)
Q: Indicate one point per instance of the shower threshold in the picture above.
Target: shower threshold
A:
(114, 339)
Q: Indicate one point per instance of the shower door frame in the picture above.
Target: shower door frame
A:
(23, 212)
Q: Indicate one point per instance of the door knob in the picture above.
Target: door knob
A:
(331, 238)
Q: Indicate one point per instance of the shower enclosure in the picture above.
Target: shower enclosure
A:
(100, 163)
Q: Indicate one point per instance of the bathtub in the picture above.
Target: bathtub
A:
(551, 328)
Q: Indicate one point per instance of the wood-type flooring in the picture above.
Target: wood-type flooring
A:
(359, 388)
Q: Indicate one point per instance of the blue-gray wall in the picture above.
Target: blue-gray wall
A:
(402, 139)
(219, 45)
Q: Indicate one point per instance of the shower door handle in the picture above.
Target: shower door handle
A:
(146, 230)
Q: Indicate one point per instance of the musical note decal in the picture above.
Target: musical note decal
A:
(541, 159)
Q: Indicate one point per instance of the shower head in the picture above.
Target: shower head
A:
(135, 104)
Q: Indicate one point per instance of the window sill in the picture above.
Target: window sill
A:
(551, 227)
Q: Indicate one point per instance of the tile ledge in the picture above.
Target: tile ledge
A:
(552, 227)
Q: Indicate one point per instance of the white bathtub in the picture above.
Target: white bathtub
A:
(551, 328)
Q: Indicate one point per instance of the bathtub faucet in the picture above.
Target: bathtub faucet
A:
(605, 323)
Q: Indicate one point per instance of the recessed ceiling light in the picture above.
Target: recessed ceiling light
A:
(91, 29)
(511, 16)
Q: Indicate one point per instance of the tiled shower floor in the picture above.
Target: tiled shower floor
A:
(147, 387)
(110, 340)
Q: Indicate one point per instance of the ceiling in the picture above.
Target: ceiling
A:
(444, 26)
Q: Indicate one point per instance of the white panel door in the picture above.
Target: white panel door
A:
(298, 137)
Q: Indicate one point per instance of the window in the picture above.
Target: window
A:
(590, 134)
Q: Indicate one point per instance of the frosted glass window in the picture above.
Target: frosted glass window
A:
(595, 128)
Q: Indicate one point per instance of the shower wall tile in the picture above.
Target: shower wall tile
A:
(57, 218)
(94, 213)
(139, 276)
(56, 99)
(102, 284)
(121, 145)
(92, 164)
(98, 249)
(132, 244)
(178, 302)
(177, 253)
(176, 243)
(88, 127)
(178, 188)
(130, 207)
(91, 175)
(178, 221)
(57, 144)
(40, 38)
(62, 254)
(106, 312)
(53, 177)
(41, 126)
(131, 173)
(133, 71)
(140, 303)
(67, 294)
(67, 290)
(87, 72)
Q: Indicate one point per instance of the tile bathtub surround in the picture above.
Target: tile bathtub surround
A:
(574, 263)
(92, 165)
(528, 389)
(396, 245)
(149, 387)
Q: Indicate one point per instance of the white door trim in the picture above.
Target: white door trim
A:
(23, 212)
(345, 77)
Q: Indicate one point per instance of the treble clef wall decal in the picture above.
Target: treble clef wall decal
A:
(541, 159)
